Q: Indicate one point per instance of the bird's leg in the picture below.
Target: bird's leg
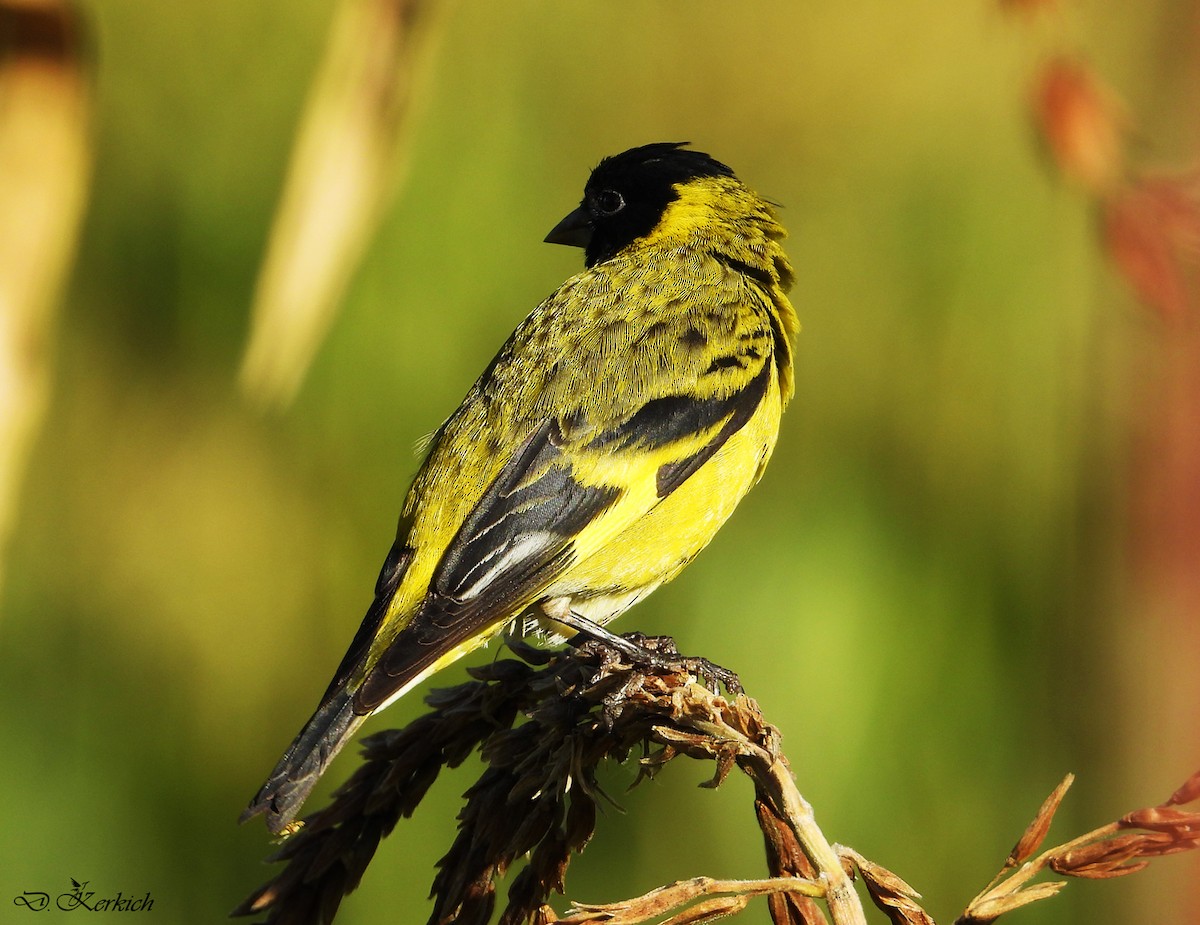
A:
(710, 673)
(714, 675)
(636, 653)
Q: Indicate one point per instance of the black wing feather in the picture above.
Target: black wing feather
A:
(535, 499)
(390, 576)
(739, 407)
(662, 421)
(518, 533)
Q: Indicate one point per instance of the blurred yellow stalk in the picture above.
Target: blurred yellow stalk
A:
(345, 165)
(45, 164)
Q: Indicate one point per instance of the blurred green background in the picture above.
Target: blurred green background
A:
(931, 592)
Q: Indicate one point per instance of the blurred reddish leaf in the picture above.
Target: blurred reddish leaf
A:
(1152, 233)
(1082, 123)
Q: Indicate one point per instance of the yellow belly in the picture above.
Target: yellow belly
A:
(656, 547)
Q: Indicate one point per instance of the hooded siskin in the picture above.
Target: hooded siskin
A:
(598, 452)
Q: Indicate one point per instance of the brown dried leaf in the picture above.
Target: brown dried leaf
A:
(581, 821)
(876, 874)
(901, 910)
(894, 898)
(1107, 870)
(1162, 819)
(785, 858)
(1160, 844)
(793, 909)
(725, 763)
(1188, 791)
(1109, 851)
(1035, 834)
(689, 740)
(1081, 123)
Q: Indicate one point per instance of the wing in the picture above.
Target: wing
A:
(517, 538)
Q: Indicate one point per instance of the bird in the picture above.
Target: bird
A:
(595, 456)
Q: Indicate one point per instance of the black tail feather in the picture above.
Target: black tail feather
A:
(305, 761)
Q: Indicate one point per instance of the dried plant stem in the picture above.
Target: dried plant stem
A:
(775, 784)
(773, 777)
(844, 904)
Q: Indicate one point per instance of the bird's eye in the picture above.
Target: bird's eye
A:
(608, 202)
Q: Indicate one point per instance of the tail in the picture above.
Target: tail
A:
(305, 760)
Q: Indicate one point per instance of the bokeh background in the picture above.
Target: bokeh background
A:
(967, 571)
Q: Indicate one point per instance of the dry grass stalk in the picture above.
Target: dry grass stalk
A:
(45, 168)
(539, 793)
(346, 165)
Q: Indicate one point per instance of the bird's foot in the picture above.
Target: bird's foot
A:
(657, 652)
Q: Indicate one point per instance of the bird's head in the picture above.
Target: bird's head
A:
(628, 194)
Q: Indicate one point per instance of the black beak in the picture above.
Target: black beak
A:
(575, 230)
